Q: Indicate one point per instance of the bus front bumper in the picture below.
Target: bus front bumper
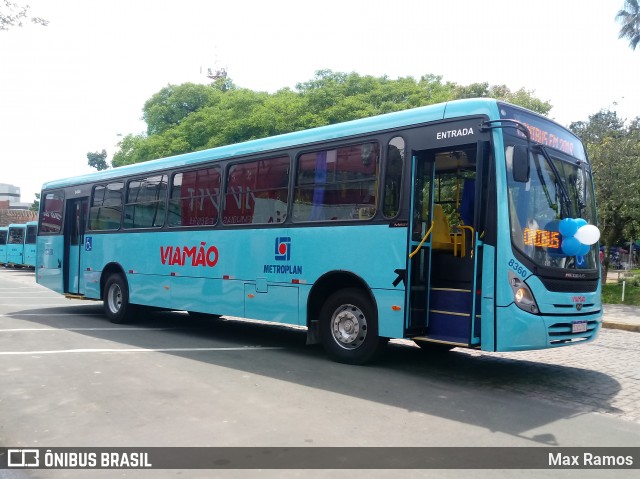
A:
(518, 330)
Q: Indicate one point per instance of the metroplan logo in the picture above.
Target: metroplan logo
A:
(282, 252)
(283, 248)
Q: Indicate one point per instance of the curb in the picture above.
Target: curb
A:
(623, 326)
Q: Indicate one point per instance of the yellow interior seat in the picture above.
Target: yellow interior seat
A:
(441, 236)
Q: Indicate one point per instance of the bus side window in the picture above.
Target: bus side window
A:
(393, 177)
(146, 202)
(106, 207)
(338, 184)
(257, 192)
(194, 198)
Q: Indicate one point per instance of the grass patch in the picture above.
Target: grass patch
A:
(612, 294)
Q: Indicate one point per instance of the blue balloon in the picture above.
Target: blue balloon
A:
(568, 227)
(583, 249)
(570, 246)
(580, 222)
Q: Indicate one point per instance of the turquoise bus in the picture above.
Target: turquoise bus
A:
(30, 241)
(15, 245)
(464, 224)
(4, 233)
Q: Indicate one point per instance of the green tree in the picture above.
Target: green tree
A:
(189, 117)
(522, 97)
(36, 204)
(98, 160)
(174, 103)
(12, 14)
(614, 152)
(629, 18)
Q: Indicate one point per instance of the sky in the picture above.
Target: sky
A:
(79, 84)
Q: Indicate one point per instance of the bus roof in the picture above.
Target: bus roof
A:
(404, 118)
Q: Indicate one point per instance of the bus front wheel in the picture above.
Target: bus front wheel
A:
(349, 327)
(116, 300)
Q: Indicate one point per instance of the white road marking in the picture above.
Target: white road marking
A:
(43, 305)
(29, 297)
(134, 350)
(16, 330)
(49, 314)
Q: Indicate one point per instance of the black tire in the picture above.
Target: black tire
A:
(349, 327)
(116, 300)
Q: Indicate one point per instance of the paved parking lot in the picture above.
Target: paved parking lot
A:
(68, 377)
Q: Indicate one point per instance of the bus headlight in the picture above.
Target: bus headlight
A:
(522, 295)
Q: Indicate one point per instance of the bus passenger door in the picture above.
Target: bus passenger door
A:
(445, 262)
(75, 219)
(419, 263)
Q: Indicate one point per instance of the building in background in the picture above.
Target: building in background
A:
(12, 210)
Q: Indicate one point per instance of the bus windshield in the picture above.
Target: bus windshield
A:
(558, 188)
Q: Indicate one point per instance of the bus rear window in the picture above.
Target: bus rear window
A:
(337, 184)
(51, 213)
(32, 234)
(195, 198)
(257, 192)
(16, 235)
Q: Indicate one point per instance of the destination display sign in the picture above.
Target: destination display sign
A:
(544, 131)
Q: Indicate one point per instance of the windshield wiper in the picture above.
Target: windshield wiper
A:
(565, 201)
(543, 183)
(582, 202)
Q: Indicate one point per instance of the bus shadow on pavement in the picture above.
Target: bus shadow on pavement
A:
(498, 393)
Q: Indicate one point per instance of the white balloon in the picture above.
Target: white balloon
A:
(588, 234)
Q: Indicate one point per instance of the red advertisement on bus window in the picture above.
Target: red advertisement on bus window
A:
(257, 192)
(51, 216)
(199, 197)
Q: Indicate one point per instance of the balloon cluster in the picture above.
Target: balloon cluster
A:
(577, 236)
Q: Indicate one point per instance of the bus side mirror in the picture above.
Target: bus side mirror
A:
(521, 164)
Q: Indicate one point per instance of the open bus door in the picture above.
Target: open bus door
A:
(74, 226)
(445, 263)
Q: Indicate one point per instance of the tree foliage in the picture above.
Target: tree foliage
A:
(98, 160)
(35, 206)
(629, 19)
(190, 117)
(12, 14)
(173, 104)
(614, 152)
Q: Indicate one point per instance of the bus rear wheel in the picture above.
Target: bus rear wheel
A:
(116, 300)
(349, 327)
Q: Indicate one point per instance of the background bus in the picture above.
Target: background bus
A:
(15, 245)
(458, 224)
(4, 233)
(30, 241)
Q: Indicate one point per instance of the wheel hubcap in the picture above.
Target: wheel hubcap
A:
(349, 326)
(115, 298)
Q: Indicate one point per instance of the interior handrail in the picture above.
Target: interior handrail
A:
(415, 251)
